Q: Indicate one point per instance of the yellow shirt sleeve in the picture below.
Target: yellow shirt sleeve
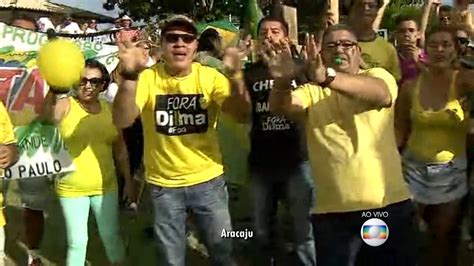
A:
(221, 88)
(303, 93)
(394, 66)
(389, 79)
(143, 88)
(3, 221)
(7, 136)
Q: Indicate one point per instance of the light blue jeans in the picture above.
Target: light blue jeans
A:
(76, 213)
(209, 205)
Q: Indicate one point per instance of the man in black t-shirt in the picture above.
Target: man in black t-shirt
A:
(278, 160)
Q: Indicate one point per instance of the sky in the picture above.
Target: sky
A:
(90, 5)
(96, 5)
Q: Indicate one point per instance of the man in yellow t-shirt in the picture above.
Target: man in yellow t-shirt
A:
(179, 102)
(349, 116)
(8, 156)
(376, 51)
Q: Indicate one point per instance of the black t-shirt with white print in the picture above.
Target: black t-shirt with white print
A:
(275, 142)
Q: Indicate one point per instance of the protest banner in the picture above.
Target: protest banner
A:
(42, 152)
(22, 90)
(102, 37)
(22, 45)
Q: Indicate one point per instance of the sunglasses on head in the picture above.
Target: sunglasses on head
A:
(93, 81)
(174, 38)
(463, 40)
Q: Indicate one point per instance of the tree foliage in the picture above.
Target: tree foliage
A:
(311, 13)
(207, 10)
(403, 8)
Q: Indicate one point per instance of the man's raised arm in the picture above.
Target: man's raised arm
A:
(238, 104)
(283, 68)
(373, 90)
(283, 102)
(133, 60)
(125, 110)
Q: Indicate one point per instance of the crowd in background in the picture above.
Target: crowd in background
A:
(70, 26)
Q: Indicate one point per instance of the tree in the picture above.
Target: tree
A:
(311, 15)
(207, 10)
(405, 8)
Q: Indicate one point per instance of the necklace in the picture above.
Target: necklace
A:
(85, 107)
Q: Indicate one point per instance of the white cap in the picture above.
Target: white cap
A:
(44, 24)
(125, 17)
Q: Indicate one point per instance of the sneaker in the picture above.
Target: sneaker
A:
(36, 262)
(422, 226)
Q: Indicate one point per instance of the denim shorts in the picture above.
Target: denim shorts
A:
(435, 183)
(35, 192)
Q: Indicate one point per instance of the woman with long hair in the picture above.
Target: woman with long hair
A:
(86, 125)
(431, 127)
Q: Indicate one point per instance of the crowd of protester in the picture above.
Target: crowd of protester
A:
(351, 124)
(70, 26)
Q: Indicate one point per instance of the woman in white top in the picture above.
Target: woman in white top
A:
(92, 28)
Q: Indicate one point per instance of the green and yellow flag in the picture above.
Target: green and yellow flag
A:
(253, 14)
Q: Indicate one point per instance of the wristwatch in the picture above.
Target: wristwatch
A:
(330, 76)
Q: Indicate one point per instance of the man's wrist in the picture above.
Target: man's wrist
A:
(233, 73)
(236, 75)
(130, 76)
(329, 76)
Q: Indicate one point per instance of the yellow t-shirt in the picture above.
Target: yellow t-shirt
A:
(352, 149)
(179, 118)
(381, 53)
(89, 139)
(7, 136)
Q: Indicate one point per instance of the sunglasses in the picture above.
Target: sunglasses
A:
(95, 82)
(463, 40)
(174, 38)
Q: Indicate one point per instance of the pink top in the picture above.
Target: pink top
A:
(409, 67)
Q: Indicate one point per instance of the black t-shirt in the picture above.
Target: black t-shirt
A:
(275, 142)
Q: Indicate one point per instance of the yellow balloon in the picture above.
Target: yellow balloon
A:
(61, 63)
